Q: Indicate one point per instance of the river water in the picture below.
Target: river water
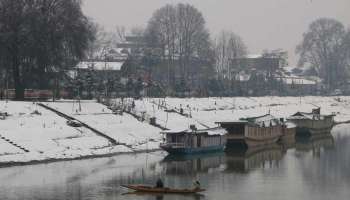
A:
(311, 168)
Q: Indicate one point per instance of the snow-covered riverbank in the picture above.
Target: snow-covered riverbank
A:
(47, 136)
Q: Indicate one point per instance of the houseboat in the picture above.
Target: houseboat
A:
(252, 132)
(194, 141)
(312, 123)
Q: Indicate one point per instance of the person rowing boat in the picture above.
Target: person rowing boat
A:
(159, 183)
(151, 189)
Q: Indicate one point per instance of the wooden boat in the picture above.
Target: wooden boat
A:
(193, 141)
(312, 123)
(150, 189)
(254, 131)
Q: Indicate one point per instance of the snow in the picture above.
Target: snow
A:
(290, 124)
(6, 148)
(254, 56)
(265, 120)
(47, 136)
(207, 111)
(124, 129)
(297, 80)
(216, 131)
(115, 66)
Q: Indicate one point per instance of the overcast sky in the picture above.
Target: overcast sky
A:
(263, 24)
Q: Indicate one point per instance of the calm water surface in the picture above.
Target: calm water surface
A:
(311, 168)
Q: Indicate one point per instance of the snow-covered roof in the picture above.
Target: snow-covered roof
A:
(302, 115)
(242, 76)
(210, 131)
(99, 65)
(312, 116)
(254, 56)
(265, 120)
(297, 80)
(290, 124)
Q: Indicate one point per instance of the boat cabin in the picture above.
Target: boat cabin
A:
(194, 140)
(263, 129)
(303, 118)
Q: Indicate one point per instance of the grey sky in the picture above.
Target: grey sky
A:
(263, 24)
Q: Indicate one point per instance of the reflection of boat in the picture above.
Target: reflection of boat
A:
(194, 141)
(288, 137)
(185, 164)
(255, 131)
(314, 142)
(187, 157)
(243, 160)
(145, 188)
(312, 123)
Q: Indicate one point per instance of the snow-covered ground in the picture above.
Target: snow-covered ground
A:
(47, 136)
(207, 111)
(123, 128)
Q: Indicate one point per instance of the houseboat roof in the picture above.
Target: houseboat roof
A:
(265, 120)
(209, 131)
(304, 115)
(232, 122)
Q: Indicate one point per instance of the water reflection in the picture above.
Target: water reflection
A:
(163, 196)
(313, 168)
(244, 160)
(315, 143)
(192, 164)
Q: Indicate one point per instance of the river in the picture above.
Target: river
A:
(311, 168)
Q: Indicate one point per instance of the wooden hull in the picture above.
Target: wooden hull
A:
(309, 127)
(251, 142)
(149, 189)
(184, 151)
(305, 131)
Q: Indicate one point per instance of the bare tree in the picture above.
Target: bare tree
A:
(228, 46)
(178, 33)
(120, 33)
(104, 44)
(323, 48)
(161, 36)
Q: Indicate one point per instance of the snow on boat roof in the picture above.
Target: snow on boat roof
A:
(304, 115)
(264, 120)
(209, 131)
(254, 56)
(99, 65)
(290, 124)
